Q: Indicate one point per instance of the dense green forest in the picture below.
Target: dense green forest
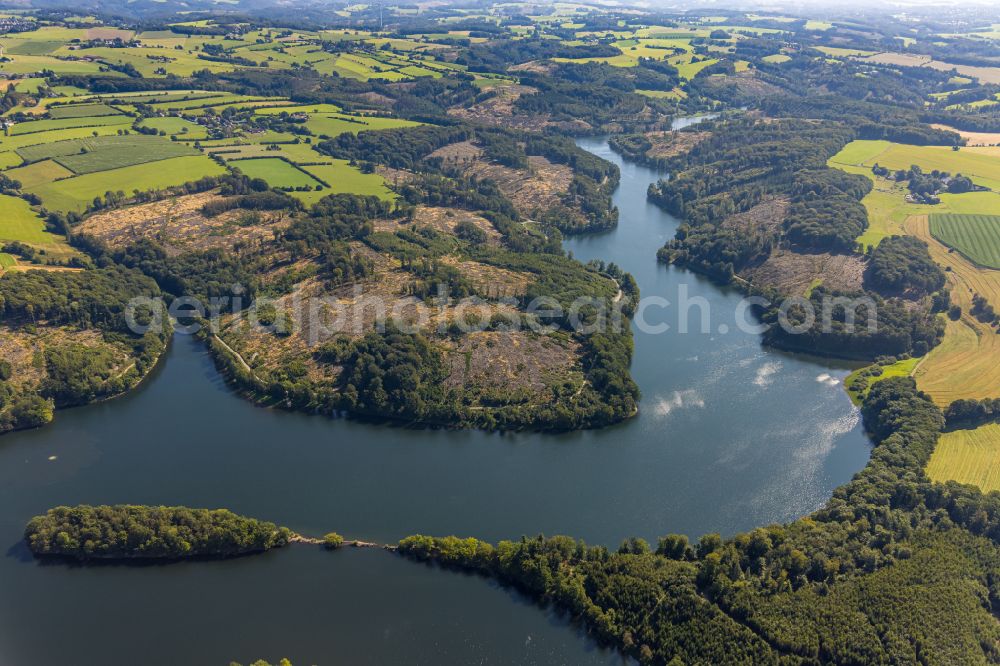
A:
(901, 264)
(143, 532)
(857, 325)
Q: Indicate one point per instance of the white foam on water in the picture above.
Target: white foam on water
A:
(766, 372)
(664, 405)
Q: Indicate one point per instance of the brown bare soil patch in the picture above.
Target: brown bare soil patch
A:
(493, 366)
(378, 99)
(973, 138)
(499, 110)
(536, 66)
(458, 153)
(768, 214)
(795, 273)
(746, 82)
(487, 368)
(502, 102)
(444, 220)
(538, 189)
(492, 281)
(901, 59)
(109, 33)
(311, 315)
(178, 224)
(394, 177)
(669, 143)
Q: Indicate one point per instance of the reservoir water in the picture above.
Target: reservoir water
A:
(729, 436)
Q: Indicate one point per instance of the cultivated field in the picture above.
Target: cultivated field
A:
(12, 143)
(118, 152)
(837, 52)
(967, 362)
(975, 236)
(973, 138)
(82, 110)
(68, 123)
(968, 456)
(984, 74)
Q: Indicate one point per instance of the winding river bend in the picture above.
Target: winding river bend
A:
(729, 436)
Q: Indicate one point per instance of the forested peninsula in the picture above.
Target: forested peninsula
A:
(66, 341)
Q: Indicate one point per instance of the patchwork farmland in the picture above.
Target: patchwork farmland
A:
(73, 151)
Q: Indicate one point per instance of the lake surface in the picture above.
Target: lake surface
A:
(729, 436)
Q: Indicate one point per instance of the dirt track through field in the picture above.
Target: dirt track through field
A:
(967, 362)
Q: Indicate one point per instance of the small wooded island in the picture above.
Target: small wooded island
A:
(147, 532)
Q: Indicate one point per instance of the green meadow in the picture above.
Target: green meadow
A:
(332, 125)
(341, 177)
(300, 108)
(276, 171)
(886, 203)
(31, 48)
(115, 156)
(19, 222)
(11, 146)
(74, 194)
(32, 64)
(174, 126)
(39, 173)
(903, 368)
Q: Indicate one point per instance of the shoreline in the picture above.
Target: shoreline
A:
(157, 365)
